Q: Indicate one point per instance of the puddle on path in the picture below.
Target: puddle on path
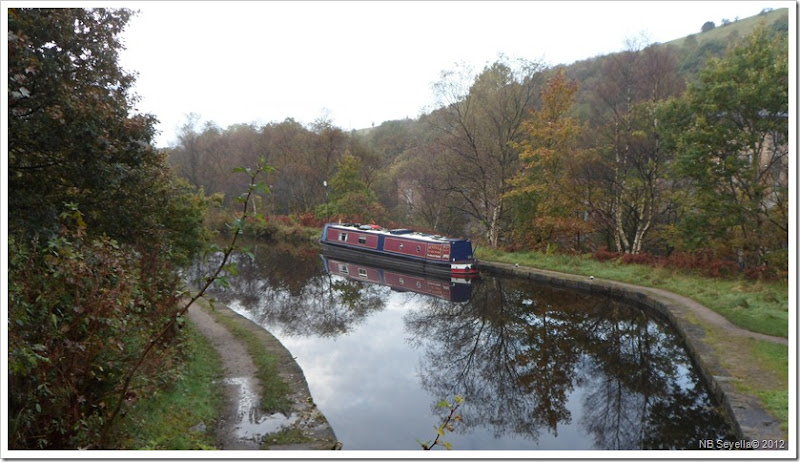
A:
(250, 425)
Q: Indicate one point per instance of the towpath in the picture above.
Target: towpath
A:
(243, 426)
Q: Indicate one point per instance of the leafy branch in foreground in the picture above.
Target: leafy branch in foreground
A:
(237, 228)
(446, 424)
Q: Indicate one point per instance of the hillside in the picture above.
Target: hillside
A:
(691, 51)
(735, 29)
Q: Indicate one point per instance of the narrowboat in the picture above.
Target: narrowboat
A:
(454, 289)
(403, 248)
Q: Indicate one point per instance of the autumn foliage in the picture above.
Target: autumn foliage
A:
(98, 226)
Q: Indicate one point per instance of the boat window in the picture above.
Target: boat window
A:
(362, 272)
(343, 236)
(362, 239)
(419, 249)
(401, 245)
(343, 269)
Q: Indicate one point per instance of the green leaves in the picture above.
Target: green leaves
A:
(729, 132)
(80, 307)
(71, 129)
(446, 425)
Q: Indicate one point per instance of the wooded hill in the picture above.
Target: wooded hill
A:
(647, 150)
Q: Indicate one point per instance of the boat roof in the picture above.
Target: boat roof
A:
(376, 229)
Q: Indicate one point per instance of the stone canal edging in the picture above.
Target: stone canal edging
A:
(749, 418)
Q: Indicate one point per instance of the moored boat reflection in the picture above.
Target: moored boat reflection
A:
(454, 289)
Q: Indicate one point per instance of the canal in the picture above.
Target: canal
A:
(539, 367)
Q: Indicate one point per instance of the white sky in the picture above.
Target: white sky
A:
(366, 62)
(362, 63)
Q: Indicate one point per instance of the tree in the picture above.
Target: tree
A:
(287, 147)
(730, 133)
(424, 202)
(548, 201)
(630, 161)
(479, 120)
(707, 26)
(72, 134)
(350, 196)
(97, 225)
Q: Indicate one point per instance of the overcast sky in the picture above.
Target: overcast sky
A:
(362, 63)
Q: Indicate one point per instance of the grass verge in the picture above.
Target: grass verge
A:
(775, 397)
(761, 369)
(171, 419)
(753, 305)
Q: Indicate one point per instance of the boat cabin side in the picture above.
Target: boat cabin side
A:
(400, 242)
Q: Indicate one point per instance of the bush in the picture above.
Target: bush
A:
(80, 311)
(309, 220)
(639, 259)
(704, 263)
(603, 254)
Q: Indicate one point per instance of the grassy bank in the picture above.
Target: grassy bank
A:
(754, 305)
(775, 396)
(183, 416)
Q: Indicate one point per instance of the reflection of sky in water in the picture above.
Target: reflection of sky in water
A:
(370, 381)
(250, 424)
(366, 383)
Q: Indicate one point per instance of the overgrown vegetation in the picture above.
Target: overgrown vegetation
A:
(184, 414)
(97, 226)
(100, 227)
(81, 310)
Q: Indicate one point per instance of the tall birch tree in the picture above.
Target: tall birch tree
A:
(478, 125)
(631, 159)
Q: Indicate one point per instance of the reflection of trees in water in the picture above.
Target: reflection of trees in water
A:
(498, 351)
(644, 391)
(285, 285)
(632, 361)
(517, 351)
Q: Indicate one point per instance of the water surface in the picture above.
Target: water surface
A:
(539, 367)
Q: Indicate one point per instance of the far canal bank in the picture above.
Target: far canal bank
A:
(719, 348)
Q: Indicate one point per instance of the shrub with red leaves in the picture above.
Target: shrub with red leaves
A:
(639, 259)
(603, 254)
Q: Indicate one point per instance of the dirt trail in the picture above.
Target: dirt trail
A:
(243, 426)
